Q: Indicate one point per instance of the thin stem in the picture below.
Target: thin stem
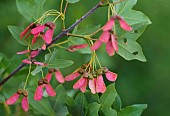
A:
(56, 18)
(118, 2)
(63, 42)
(63, 18)
(95, 32)
(65, 8)
(75, 35)
(42, 73)
(98, 60)
(62, 47)
(108, 14)
(49, 50)
(61, 6)
(29, 72)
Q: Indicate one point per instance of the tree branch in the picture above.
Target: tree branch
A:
(63, 33)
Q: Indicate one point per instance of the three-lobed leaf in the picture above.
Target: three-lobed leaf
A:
(128, 47)
(133, 17)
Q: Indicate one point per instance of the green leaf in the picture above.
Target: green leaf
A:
(77, 40)
(108, 97)
(109, 112)
(2, 98)
(30, 9)
(124, 9)
(1, 58)
(81, 104)
(43, 106)
(72, 1)
(128, 47)
(36, 70)
(124, 5)
(77, 107)
(4, 63)
(38, 44)
(60, 106)
(134, 110)
(133, 17)
(15, 31)
(72, 108)
(93, 109)
(53, 62)
(91, 97)
(117, 105)
(70, 101)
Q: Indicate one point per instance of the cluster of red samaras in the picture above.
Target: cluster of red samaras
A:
(14, 98)
(94, 79)
(38, 30)
(42, 83)
(108, 37)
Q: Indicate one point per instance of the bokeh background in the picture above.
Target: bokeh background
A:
(138, 82)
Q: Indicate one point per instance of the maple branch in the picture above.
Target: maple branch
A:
(63, 33)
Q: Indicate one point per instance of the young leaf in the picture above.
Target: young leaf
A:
(4, 63)
(91, 97)
(77, 107)
(59, 106)
(108, 97)
(72, 108)
(2, 98)
(53, 62)
(72, 1)
(36, 70)
(128, 47)
(31, 10)
(93, 109)
(117, 105)
(134, 110)
(43, 106)
(109, 112)
(77, 40)
(15, 31)
(81, 104)
(38, 44)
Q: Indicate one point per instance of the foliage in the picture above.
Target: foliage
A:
(83, 103)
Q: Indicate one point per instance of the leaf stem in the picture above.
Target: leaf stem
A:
(92, 34)
(27, 77)
(61, 6)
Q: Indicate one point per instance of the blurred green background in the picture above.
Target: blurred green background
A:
(138, 82)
